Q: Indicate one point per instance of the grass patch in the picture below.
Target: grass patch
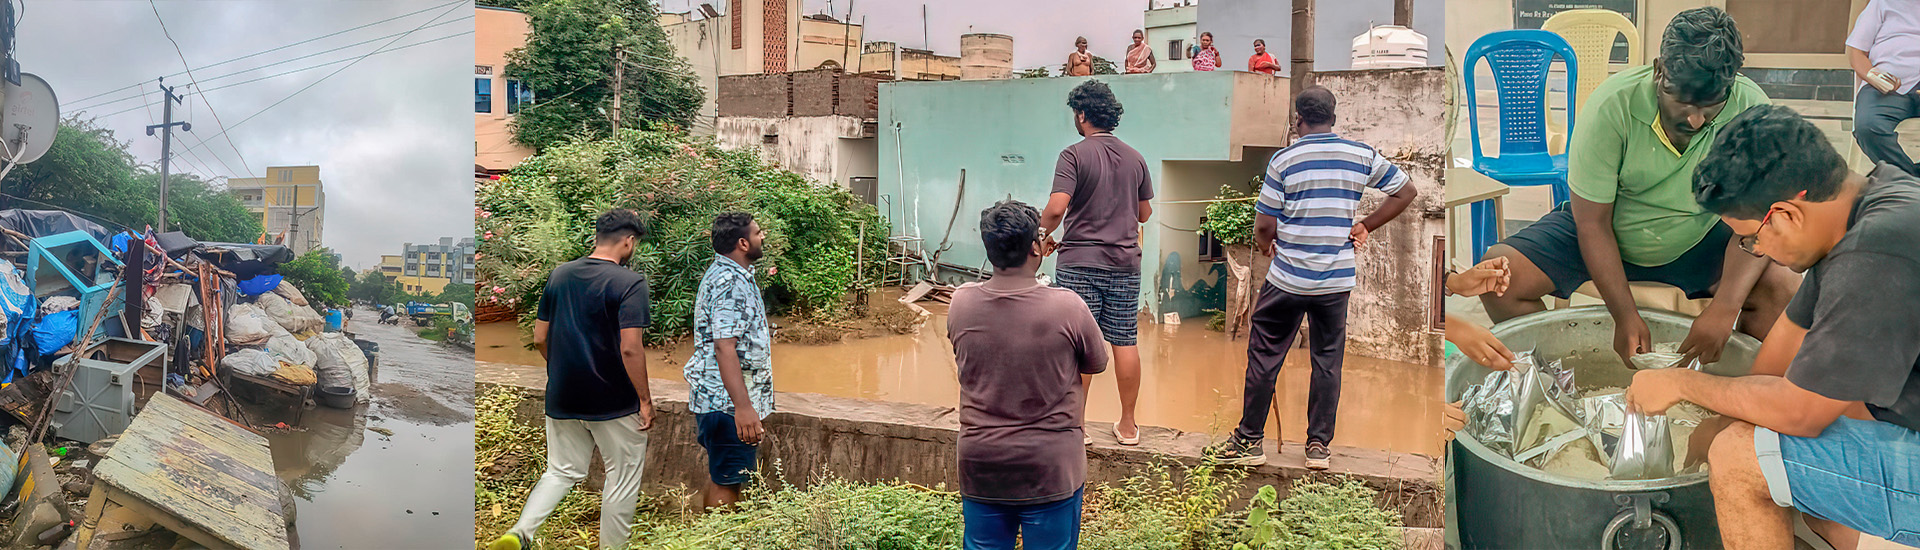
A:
(1165, 507)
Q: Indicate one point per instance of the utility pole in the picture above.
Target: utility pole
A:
(1302, 45)
(619, 71)
(166, 148)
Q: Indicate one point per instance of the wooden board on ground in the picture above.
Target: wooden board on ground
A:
(194, 472)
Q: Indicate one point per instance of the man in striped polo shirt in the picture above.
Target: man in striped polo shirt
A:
(1306, 223)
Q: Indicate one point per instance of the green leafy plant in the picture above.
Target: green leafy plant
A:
(822, 242)
(569, 60)
(317, 275)
(1231, 219)
(1333, 516)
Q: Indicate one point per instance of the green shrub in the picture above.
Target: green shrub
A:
(1231, 220)
(1322, 516)
(542, 214)
(833, 514)
(508, 458)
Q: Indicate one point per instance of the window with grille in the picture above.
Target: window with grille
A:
(482, 95)
(1211, 250)
(1176, 50)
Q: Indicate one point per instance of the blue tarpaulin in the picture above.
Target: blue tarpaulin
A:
(56, 330)
(259, 284)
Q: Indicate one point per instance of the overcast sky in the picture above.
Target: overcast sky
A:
(391, 133)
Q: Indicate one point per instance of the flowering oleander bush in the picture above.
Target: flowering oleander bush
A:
(542, 214)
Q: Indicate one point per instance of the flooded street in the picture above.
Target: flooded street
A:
(358, 488)
(1191, 380)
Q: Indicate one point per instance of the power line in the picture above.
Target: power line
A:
(262, 52)
(203, 98)
(324, 78)
(282, 62)
(303, 69)
(156, 120)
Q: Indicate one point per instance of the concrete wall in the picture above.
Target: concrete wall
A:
(1400, 113)
(1007, 135)
(826, 149)
(1236, 23)
(865, 440)
(819, 92)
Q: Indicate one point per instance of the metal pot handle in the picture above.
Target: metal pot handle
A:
(1637, 509)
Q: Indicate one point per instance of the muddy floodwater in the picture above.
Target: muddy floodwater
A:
(1191, 380)
(358, 488)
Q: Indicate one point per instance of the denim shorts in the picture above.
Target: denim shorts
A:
(1858, 473)
(729, 461)
(1113, 296)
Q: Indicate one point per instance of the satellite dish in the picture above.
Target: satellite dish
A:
(29, 120)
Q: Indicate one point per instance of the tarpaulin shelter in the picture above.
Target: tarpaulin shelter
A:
(45, 223)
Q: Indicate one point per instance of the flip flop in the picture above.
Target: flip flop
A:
(1124, 440)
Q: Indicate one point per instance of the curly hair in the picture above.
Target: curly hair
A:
(1008, 229)
(1095, 100)
(728, 229)
(1701, 54)
(1314, 105)
(1766, 155)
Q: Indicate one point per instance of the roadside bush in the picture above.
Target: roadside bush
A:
(821, 241)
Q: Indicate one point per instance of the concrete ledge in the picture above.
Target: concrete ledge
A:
(866, 440)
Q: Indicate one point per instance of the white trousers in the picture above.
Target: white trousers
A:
(570, 445)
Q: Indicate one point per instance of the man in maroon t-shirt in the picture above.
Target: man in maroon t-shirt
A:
(1021, 347)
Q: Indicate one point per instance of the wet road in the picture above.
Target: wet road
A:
(357, 488)
(1191, 380)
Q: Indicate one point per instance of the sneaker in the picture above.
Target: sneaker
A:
(1236, 452)
(509, 541)
(1317, 455)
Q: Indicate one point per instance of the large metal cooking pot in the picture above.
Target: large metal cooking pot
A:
(1503, 504)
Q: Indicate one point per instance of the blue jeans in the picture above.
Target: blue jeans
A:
(1050, 526)
(1858, 473)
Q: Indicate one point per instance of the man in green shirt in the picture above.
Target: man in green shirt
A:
(1633, 216)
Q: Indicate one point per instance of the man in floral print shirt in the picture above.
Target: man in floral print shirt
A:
(731, 371)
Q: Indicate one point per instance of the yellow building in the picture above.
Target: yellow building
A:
(422, 285)
(496, 98)
(291, 202)
(391, 266)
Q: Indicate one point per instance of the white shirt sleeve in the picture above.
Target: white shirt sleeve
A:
(1867, 28)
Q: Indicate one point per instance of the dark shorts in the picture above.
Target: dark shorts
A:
(729, 462)
(1553, 246)
(1113, 296)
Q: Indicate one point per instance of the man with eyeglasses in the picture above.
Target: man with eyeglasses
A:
(1633, 217)
(1826, 422)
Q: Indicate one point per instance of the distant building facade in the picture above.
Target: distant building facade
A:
(431, 267)
(291, 202)
(497, 98)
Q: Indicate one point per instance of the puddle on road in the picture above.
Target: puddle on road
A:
(357, 488)
(1191, 380)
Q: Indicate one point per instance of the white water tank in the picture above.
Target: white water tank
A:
(1389, 47)
(986, 56)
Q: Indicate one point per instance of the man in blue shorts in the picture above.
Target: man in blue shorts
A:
(1826, 421)
(730, 375)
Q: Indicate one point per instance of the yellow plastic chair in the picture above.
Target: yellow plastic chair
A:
(1591, 32)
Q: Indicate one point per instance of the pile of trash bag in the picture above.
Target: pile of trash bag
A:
(341, 363)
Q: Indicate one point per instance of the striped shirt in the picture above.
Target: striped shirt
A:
(1313, 187)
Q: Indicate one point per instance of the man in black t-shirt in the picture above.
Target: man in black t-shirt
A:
(589, 328)
(1828, 421)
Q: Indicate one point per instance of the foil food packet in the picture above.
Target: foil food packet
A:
(1489, 409)
(1645, 448)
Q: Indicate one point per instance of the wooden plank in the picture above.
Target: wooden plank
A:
(198, 475)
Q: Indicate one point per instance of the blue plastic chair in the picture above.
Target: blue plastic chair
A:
(1520, 60)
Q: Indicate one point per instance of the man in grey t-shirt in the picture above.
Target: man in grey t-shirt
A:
(1828, 420)
(1103, 192)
